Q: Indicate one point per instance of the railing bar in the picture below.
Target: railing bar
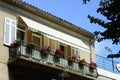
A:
(35, 53)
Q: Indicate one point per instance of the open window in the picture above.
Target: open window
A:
(64, 49)
(75, 52)
(37, 39)
(21, 32)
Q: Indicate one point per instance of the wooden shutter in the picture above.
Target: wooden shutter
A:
(13, 30)
(9, 31)
(46, 41)
(68, 50)
(57, 44)
(52, 44)
(29, 35)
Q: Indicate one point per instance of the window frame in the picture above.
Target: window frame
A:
(73, 52)
(21, 30)
(65, 52)
(38, 36)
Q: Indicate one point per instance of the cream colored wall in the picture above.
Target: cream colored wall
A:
(4, 72)
(91, 44)
(4, 50)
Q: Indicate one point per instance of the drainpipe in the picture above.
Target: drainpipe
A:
(90, 46)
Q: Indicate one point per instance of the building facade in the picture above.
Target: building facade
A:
(36, 45)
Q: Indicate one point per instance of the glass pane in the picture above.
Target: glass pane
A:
(7, 34)
(21, 35)
(7, 20)
(13, 33)
(13, 23)
(36, 40)
(62, 47)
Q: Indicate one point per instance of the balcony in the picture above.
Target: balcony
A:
(106, 64)
(33, 58)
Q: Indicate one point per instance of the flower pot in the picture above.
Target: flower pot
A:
(93, 66)
(44, 51)
(58, 56)
(82, 63)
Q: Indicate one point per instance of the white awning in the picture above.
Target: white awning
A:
(55, 34)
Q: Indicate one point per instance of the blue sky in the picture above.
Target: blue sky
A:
(76, 12)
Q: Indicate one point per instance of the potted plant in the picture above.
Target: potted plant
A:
(16, 43)
(45, 50)
(59, 53)
(82, 62)
(72, 58)
(93, 65)
(30, 46)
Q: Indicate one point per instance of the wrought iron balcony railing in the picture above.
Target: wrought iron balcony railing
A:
(51, 59)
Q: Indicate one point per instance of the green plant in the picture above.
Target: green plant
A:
(16, 43)
(93, 65)
(59, 53)
(82, 62)
(46, 49)
(31, 44)
(72, 58)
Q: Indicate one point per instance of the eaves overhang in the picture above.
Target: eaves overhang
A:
(48, 16)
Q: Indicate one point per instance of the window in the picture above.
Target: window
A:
(37, 39)
(21, 32)
(9, 31)
(63, 48)
(75, 52)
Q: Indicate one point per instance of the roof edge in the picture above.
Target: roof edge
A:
(34, 10)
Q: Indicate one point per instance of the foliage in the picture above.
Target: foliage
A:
(111, 10)
(85, 1)
(16, 43)
(48, 48)
(72, 58)
(59, 53)
(45, 49)
(82, 62)
(93, 65)
(114, 55)
(32, 44)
